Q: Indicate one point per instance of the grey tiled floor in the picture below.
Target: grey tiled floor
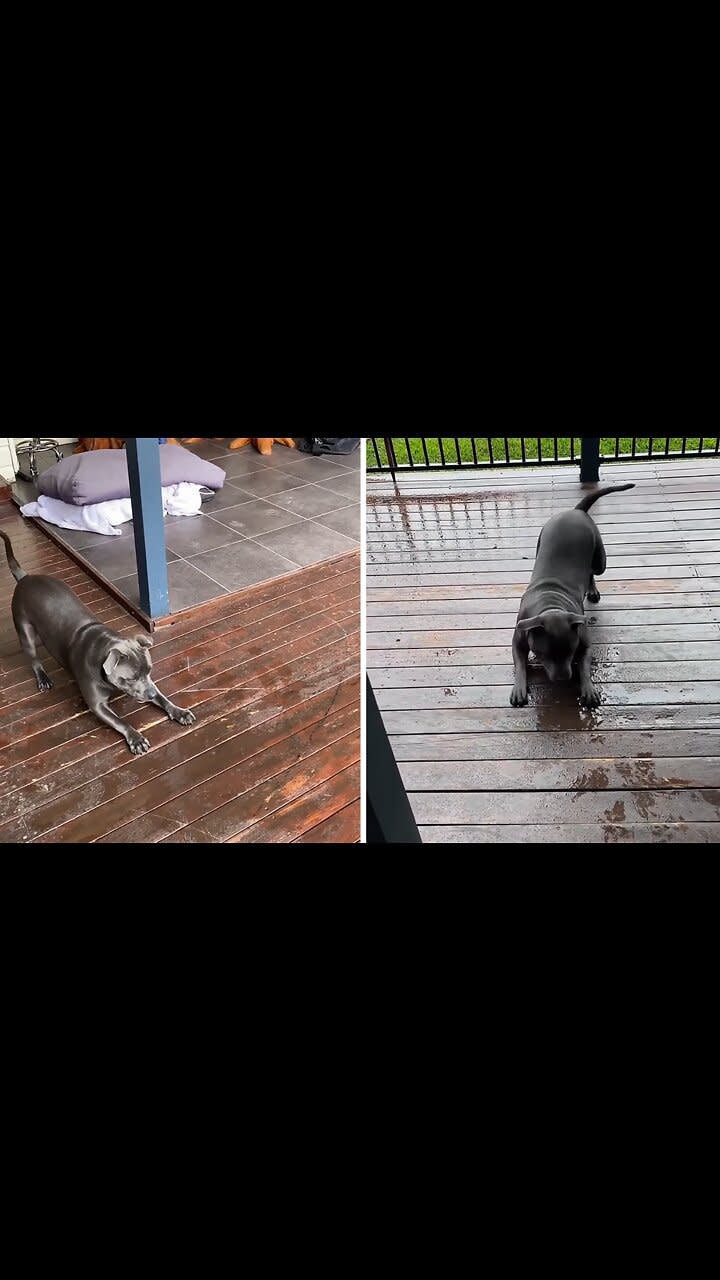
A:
(272, 516)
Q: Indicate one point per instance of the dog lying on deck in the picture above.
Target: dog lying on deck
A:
(101, 663)
(551, 620)
(263, 444)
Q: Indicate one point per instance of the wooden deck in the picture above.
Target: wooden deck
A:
(448, 560)
(272, 674)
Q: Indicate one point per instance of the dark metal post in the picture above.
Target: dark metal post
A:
(143, 459)
(390, 451)
(590, 459)
(389, 816)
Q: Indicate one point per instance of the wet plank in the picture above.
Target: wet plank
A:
(296, 819)
(677, 651)
(102, 796)
(342, 828)
(553, 808)
(577, 833)
(145, 830)
(610, 671)
(454, 561)
(337, 779)
(543, 745)
(449, 609)
(587, 774)
(646, 629)
(570, 718)
(650, 694)
(425, 575)
(454, 590)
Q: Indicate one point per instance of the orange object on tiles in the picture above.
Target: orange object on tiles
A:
(263, 444)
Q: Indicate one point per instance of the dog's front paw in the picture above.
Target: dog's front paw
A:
(44, 683)
(593, 596)
(183, 717)
(137, 743)
(518, 697)
(590, 697)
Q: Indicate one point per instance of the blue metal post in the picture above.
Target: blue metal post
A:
(143, 458)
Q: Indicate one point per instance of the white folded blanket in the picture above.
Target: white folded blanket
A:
(103, 517)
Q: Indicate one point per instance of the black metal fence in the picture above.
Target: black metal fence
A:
(406, 453)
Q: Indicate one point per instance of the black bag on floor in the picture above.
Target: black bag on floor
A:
(330, 444)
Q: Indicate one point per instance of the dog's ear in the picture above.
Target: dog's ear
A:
(110, 664)
(576, 619)
(145, 641)
(527, 623)
(120, 653)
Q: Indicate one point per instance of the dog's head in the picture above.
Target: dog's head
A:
(554, 637)
(128, 666)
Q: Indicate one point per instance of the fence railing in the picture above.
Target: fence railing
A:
(435, 453)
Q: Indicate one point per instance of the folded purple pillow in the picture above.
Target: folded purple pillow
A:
(102, 474)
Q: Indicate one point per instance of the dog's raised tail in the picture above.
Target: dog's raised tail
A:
(586, 503)
(15, 569)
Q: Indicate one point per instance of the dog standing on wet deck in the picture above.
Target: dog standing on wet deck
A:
(101, 663)
(551, 620)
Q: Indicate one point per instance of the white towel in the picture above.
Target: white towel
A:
(103, 517)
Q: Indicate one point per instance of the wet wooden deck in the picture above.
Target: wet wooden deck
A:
(272, 675)
(448, 560)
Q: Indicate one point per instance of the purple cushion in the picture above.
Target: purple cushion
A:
(102, 474)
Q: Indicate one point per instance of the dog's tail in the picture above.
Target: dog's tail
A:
(600, 493)
(15, 569)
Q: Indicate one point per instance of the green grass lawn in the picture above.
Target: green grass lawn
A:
(607, 448)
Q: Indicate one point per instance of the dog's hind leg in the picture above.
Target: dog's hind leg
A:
(28, 643)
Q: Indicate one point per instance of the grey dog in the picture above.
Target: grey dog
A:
(551, 620)
(102, 663)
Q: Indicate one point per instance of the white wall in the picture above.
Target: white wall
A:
(8, 459)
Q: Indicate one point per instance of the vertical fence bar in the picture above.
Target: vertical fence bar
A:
(667, 446)
(522, 450)
(507, 451)
(442, 451)
(617, 447)
(475, 457)
(411, 460)
(457, 449)
(634, 442)
(377, 455)
(684, 446)
(650, 444)
(490, 450)
(427, 460)
(539, 445)
(702, 441)
(390, 451)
